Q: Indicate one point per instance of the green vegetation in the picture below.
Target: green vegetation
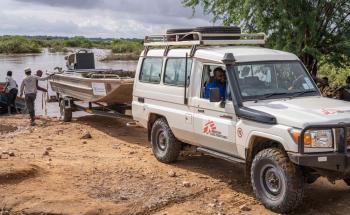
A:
(127, 46)
(21, 44)
(336, 75)
(18, 44)
(315, 30)
(123, 49)
(121, 56)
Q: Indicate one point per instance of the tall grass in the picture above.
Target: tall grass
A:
(127, 46)
(22, 44)
(17, 45)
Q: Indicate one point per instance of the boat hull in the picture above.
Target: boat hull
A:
(93, 90)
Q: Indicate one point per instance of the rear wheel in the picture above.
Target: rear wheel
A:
(276, 181)
(166, 148)
(66, 113)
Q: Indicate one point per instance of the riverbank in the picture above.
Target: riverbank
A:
(23, 44)
(123, 57)
(52, 169)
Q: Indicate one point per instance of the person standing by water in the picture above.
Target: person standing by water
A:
(11, 90)
(39, 74)
(29, 87)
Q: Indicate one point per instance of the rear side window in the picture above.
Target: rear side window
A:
(175, 71)
(151, 70)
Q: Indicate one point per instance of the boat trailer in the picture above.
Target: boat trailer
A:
(69, 105)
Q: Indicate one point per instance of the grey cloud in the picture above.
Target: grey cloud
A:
(95, 18)
(65, 3)
(140, 7)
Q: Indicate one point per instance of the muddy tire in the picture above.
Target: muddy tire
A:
(166, 148)
(276, 181)
(347, 181)
(66, 113)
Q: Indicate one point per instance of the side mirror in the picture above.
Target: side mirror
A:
(214, 95)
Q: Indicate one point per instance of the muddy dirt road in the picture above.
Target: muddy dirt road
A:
(49, 169)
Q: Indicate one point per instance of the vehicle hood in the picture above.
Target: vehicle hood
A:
(303, 111)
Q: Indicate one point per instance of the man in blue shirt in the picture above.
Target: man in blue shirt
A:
(219, 81)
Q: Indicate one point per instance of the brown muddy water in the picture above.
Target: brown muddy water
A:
(46, 62)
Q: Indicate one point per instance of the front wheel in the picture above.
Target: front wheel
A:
(166, 148)
(276, 181)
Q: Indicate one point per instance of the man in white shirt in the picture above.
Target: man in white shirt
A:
(11, 90)
(29, 87)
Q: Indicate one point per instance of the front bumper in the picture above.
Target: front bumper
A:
(337, 161)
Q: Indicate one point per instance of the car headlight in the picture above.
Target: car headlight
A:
(314, 138)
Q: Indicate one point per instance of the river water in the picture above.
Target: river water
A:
(46, 62)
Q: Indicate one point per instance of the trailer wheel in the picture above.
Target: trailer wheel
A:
(66, 113)
(347, 181)
(276, 181)
(166, 148)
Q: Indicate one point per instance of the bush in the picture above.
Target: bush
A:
(336, 75)
(126, 46)
(76, 42)
(18, 45)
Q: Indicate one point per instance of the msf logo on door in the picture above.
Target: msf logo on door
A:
(209, 127)
(213, 129)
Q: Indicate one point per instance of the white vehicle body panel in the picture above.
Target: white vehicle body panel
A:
(232, 135)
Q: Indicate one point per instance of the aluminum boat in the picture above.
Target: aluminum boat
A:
(85, 83)
(109, 86)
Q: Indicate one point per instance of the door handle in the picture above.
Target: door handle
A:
(201, 111)
(141, 100)
(226, 116)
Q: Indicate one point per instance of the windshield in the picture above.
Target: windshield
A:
(265, 80)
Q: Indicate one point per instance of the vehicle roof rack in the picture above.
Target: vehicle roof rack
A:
(204, 39)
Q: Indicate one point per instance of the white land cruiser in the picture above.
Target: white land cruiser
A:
(246, 104)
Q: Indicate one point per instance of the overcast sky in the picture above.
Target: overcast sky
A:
(96, 18)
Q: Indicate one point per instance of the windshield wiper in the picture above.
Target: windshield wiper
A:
(266, 96)
(296, 94)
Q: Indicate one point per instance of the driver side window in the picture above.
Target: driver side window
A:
(213, 76)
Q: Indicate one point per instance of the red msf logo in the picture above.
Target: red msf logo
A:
(329, 111)
(209, 127)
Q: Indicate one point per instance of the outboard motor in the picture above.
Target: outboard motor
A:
(81, 60)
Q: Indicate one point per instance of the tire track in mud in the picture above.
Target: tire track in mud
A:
(176, 200)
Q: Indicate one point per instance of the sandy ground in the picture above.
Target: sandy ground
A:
(49, 169)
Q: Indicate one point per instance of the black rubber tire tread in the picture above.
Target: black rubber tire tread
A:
(67, 113)
(347, 181)
(292, 174)
(173, 147)
(219, 29)
(179, 30)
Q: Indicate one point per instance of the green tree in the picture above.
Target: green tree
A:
(318, 31)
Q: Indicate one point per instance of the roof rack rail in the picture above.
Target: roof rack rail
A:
(204, 39)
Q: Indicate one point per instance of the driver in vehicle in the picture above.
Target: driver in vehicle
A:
(219, 81)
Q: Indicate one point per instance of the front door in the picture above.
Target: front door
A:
(214, 125)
